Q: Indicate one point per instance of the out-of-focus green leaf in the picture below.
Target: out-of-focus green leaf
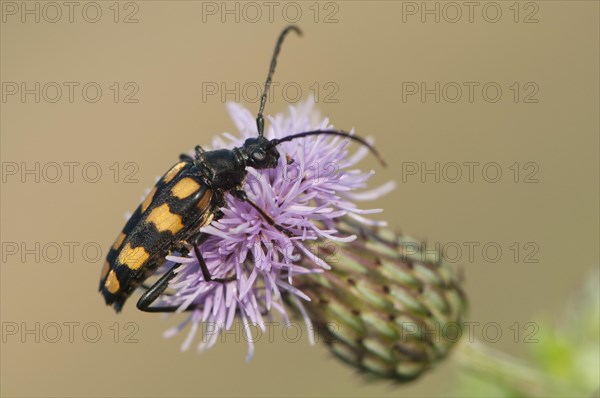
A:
(564, 362)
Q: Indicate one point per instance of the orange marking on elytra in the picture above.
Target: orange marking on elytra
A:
(164, 220)
(204, 201)
(112, 283)
(173, 172)
(185, 187)
(133, 257)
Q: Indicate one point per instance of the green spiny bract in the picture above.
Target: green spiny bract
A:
(388, 306)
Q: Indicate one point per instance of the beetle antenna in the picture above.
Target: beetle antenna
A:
(276, 141)
(260, 122)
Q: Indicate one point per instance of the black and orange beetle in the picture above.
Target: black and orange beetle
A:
(184, 200)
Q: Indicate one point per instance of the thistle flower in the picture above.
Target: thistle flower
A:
(310, 189)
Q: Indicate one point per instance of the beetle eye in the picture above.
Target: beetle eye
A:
(259, 155)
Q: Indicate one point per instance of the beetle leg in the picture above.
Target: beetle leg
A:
(148, 286)
(197, 241)
(241, 195)
(199, 151)
(156, 290)
(146, 300)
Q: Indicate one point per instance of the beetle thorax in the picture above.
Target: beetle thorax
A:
(224, 169)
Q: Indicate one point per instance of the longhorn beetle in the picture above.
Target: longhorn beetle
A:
(184, 200)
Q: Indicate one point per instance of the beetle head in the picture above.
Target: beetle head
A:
(259, 153)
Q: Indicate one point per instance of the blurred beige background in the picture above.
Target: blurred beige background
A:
(365, 56)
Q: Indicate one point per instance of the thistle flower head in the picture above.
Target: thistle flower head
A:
(313, 185)
(391, 306)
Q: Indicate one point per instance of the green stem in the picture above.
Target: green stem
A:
(513, 374)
